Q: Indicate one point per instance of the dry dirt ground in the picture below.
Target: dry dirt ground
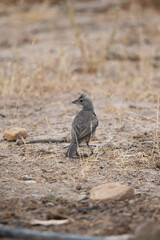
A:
(49, 54)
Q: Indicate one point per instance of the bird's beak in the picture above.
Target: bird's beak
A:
(75, 101)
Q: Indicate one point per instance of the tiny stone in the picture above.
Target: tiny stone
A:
(81, 197)
(78, 187)
(50, 204)
(132, 201)
(26, 177)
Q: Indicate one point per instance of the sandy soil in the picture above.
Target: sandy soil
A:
(49, 54)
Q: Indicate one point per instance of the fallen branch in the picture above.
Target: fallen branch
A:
(6, 232)
(47, 140)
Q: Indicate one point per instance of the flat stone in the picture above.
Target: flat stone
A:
(111, 191)
(15, 133)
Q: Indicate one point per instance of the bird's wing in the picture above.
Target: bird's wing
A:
(83, 128)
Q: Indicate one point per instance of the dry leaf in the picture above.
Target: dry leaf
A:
(48, 222)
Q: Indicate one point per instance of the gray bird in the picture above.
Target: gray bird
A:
(83, 126)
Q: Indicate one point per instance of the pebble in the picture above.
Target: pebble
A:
(81, 197)
(15, 133)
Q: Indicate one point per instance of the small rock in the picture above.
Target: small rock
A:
(15, 133)
(82, 197)
(148, 231)
(49, 204)
(78, 187)
(68, 138)
(26, 177)
(111, 191)
(132, 201)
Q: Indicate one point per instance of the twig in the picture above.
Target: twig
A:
(3, 156)
(30, 234)
(146, 142)
(47, 140)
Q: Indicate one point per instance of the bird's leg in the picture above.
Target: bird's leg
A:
(90, 149)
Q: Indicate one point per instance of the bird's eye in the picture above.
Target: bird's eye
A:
(81, 100)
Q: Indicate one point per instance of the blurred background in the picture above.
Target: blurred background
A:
(107, 47)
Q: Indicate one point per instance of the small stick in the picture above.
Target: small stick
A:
(47, 140)
(147, 142)
(3, 156)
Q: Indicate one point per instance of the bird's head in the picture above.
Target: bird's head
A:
(84, 101)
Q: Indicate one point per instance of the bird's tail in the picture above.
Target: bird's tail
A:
(71, 150)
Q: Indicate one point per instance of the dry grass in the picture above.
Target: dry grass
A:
(59, 72)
